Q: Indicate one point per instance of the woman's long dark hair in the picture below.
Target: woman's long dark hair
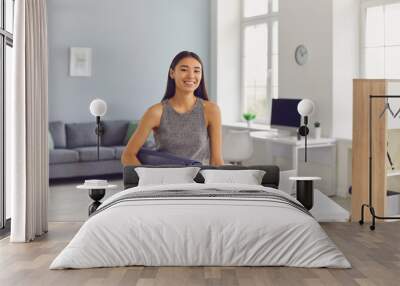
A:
(201, 91)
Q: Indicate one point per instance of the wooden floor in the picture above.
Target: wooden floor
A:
(375, 257)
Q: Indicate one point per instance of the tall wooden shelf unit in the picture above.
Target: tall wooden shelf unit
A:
(362, 89)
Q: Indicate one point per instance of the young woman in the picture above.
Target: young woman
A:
(185, 122)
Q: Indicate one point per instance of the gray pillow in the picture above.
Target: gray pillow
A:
(114, 132)
(81, 134)
(57, 130)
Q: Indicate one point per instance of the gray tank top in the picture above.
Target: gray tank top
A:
(183, 134)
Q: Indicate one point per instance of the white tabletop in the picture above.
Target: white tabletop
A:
(291, 140)
(88, 187)
(304, 178)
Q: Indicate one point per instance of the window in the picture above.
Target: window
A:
(381, 39)
(6, 43)
(260, 53)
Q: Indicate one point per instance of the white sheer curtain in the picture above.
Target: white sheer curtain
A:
(27, 125)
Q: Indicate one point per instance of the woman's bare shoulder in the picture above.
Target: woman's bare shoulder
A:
(152, 116)
(210, 107)
(155, 110)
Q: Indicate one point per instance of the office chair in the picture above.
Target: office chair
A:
(237, 146)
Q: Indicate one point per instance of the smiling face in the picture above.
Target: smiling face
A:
(187, 75)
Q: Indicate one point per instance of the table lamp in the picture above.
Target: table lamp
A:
(98, 107)
(305, 109)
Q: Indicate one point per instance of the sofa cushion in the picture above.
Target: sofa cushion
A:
(81, 134)
(114, 132)
(90, 153)
(58, 156)
(57, 130)
(150, 141)
(50, 142)
(118, 151)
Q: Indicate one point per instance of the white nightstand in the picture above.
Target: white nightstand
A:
(96, 193)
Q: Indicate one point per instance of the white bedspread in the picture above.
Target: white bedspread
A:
(200, 231)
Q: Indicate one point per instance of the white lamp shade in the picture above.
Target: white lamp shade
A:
(305, 107)
(98, 107)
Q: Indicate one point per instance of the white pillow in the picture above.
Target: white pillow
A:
(163, 176)
(248, 177)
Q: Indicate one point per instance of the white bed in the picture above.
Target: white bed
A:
(188, 231)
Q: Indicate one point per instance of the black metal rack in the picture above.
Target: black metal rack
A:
(369, 205)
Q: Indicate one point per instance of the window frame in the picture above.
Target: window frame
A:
(365, 4)
(269, 19)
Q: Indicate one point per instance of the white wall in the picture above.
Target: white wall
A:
(133, 43)
(307, 22)
(346, 47)
(225, 53)
(345, 67)
(330, 31)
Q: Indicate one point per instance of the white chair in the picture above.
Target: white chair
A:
(285, 184)
(237, 146)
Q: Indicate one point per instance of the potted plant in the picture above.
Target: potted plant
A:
(249, 116)
(317, 126)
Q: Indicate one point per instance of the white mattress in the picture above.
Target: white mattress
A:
(200, 231)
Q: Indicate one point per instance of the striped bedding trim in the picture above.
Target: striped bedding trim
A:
(206, 194)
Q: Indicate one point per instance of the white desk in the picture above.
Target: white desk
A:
(322, 150)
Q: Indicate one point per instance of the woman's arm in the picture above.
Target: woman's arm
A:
(150, 120)
(214, 132)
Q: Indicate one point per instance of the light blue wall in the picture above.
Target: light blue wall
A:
(133, 43)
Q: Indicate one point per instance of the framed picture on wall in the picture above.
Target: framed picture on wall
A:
(80, 63)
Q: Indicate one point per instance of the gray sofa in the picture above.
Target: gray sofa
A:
(74, 150)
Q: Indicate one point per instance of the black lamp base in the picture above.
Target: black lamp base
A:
(96, 195)
(305, 193)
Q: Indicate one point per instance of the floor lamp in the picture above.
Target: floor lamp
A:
(98, 108)
(369, 205)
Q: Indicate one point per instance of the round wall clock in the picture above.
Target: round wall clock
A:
(301, 55)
